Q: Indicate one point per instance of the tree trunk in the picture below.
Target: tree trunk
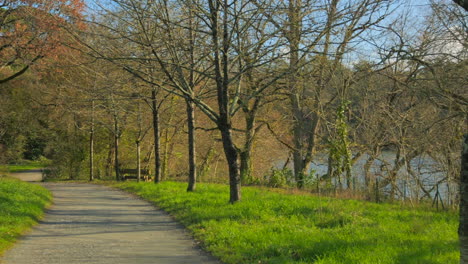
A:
(91, 150)
(207, 161)
(116, 146)
(368, 178)
(116, 157)
(157, 146)
(191, 109)
(294, 39)
(165, 155)
(167, 142)
(367, 174)
(300, 168)
(191, 145)
(463, 228)
(232, 157)
(246, 153)
(222, 86)
(138, 161)
(245, 166)
(110, 157)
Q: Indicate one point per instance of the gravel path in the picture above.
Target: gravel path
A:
(96, 224)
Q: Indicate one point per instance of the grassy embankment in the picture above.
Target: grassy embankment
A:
(29, 165)
(21, 206)
(272, 227)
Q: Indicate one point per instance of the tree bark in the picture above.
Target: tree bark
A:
(91, 146)
(157, 146)
(191, 145)
(116, 146)
(110, 157)
(463, 228)
(222, 85)
(91, 156)
(294, 38)
(245, 166)
(138, 161)
(165, 155)
(232, 157)
(246, 153)
(191, 108)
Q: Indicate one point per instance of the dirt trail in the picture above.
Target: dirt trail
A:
(96, 224)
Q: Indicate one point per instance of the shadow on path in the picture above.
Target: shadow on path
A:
(96, 224)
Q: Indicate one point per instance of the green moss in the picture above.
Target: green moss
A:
(21, 206)
(270, 227)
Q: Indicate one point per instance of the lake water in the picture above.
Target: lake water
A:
(430, 175)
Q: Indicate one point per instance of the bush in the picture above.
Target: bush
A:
(279, 178)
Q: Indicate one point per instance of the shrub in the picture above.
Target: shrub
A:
(279, 178)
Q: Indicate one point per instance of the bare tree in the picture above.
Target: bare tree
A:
(322, 41)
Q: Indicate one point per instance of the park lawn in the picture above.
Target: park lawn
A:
(272, 227)
(21, 206)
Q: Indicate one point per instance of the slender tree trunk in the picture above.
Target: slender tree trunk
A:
(165, 156)
(191, 109)
(91, 146)
(167, 142)
(157, 146)
(110, 157)
(463, 228)
(207, 161)
(116, 157)
(246, 153)
(222, 85)
(367, 175)
(245, 166)
(191, 145)
(91, 156)
(116, 146)
(148, 156)
(368, 178)
(138, 161)
(168, 150)
(348, 172)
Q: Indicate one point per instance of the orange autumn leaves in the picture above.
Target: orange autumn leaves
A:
(33, 29)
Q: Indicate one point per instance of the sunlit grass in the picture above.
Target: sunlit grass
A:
(27, 165)
(21, 206)
(270, 227)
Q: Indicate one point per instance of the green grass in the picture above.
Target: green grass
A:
(28, 165)
(21, 206)
(271, 227)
